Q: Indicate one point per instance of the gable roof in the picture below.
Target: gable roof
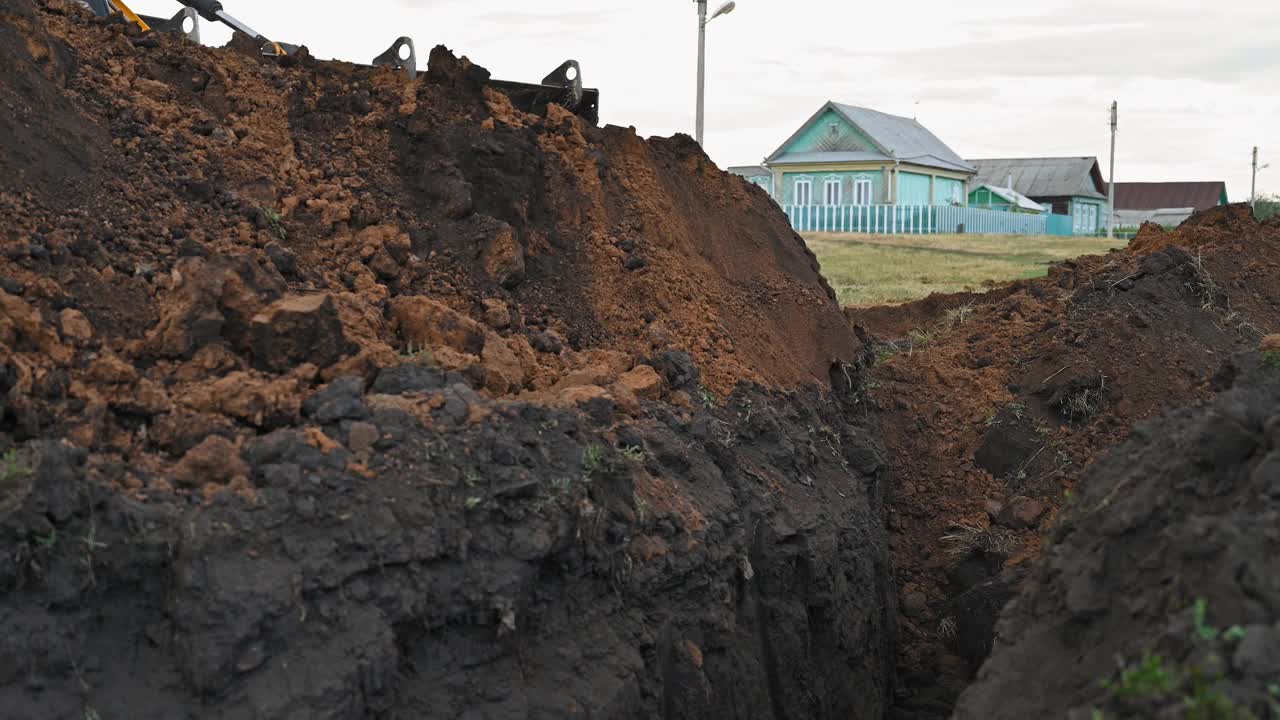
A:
(894, 137)
(1162, 195)
(1044, 177)
(1013, 197)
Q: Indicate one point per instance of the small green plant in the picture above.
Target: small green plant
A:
(634, 453)
(1097, 715)
(1271, 359)
(12, 467)
(885, 353)
(1209, 633)
(592, 460)
(705, 397)
(48, 540)
(275, 222)
(920, 338)
(473, 502)
(561, 484)
(470, 477)
(1146, 679)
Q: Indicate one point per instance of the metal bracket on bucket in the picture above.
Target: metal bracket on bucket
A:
(563, 87)
(401, 56)
(186, 22)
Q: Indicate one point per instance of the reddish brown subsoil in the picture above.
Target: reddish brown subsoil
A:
(993, 404)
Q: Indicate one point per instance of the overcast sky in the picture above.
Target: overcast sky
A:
(1196, 80)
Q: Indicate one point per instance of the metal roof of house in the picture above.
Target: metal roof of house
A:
(749, 170)
(1044, 177)
(1013, 196)
(1161, 195)
(897, 138)
(825, 157)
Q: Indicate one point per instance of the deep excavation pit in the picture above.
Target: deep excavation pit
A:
(328, 394)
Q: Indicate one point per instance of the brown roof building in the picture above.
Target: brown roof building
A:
(1166, 195)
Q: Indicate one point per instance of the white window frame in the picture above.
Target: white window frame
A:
(807, 184)
(827, 185)
(863, 189)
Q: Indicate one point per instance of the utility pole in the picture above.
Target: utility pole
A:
(702, 56)
(1253, 183)
(702, 65)
(1111, 185)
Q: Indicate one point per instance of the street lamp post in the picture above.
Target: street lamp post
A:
(724, 9)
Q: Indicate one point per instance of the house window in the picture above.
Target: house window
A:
(1086, 218)
(803, 192)
(862, 191)
(831, 191)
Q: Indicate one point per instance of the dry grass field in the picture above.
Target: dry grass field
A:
(883, 269)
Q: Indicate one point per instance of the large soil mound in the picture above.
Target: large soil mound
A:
(327, 394)
(994, 404)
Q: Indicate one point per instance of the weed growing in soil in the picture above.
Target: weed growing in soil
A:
(947, 629)
(561, 484)
(1017, 409)
(12, 468)
(920, 339)
(706, 398)
(886, 352)
(634, 453)
(1271, 359)
(1083, 404)
(592, 461)
(966, 538)
(958, 315)
(274, 222)
(1147, 678)
(1209, 633)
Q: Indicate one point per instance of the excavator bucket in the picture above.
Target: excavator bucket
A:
(563, 86)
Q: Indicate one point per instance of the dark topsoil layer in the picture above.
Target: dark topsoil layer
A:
(330, 395)
(1159, 592)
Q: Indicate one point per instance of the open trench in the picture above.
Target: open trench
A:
(342, 396)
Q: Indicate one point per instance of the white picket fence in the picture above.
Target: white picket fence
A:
(911, 220)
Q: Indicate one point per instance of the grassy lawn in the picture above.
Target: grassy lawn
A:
(883, 269)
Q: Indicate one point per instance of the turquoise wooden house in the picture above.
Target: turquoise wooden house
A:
(1071, 187)
(853, 156)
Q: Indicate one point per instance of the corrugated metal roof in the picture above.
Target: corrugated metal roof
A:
(904, 138)
(749, 170)
(1013, 196)
(1044, 177)
(898, 137)
(828, 157)
(1160, 195)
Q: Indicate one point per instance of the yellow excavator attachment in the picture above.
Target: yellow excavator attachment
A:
(131, 15)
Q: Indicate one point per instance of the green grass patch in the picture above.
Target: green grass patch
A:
(883, 269)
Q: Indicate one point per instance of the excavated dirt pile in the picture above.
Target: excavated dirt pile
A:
(1160, 594)
(328, 394)
(992, 406)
